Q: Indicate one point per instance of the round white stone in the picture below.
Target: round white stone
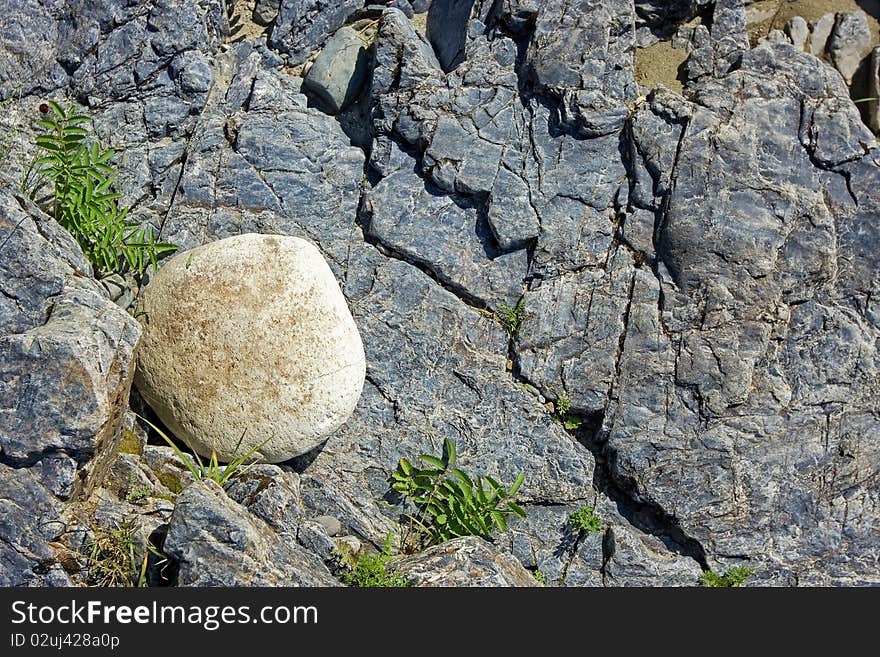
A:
(249, 336)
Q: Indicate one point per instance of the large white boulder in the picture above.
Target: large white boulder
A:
(249, 335)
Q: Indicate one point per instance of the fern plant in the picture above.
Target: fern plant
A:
(451, 503)
(72, 179)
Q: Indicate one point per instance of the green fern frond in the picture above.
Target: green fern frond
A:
(72, 179)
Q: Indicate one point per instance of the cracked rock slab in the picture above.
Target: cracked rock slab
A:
(66, 351)
(218, 543)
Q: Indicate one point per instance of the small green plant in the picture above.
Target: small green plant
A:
(735, 576)
(370, 570)
(511, 317)
(72, 180)
(136, 493)
(562, 405)
(585, 520)
(112, 556)
(113, 559)
(539, 577)
(451, 503)
(211, 469)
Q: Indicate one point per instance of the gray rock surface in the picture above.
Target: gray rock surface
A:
(798, 31)
(218, 543)
(822, 29)
(872, 106)
(725, 317)
(700, 274)
(849, 43)
(302, 25)
(468, 561)
(339, 73)
(30, 517)
(66, 353)
(271, 494)
(313, 537)
(265, 11)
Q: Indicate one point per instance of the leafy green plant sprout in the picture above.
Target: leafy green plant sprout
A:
(72, 180)
(511, 317)
(136, 493)
(734, 577)
(202, 470)
(585, 520)
(451, 503)
(370, 570)
(562, 405)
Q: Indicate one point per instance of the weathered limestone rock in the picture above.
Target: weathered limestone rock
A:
(849, 43)
(821, 33)
(468, 561)
(339, 73)
(798, 31)
(700, 273)
(249, 339)
(66, 353)
(30, 517)
(218, 543)
(301, 25)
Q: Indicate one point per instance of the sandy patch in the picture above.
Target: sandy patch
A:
(241, 24)
(660, 64)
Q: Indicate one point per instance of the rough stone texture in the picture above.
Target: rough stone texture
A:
(821, 33)
(302, 25)
(271, 494)
(30, 517)
(66, 353)
(744, 323)
(314, 537)
(255, 317)
(265, 11)
(468, 561)
(218, 543)
(872, 107)
(640, 560)
(339, 73)
(166, 466)
(849, 43)
(699, 272)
